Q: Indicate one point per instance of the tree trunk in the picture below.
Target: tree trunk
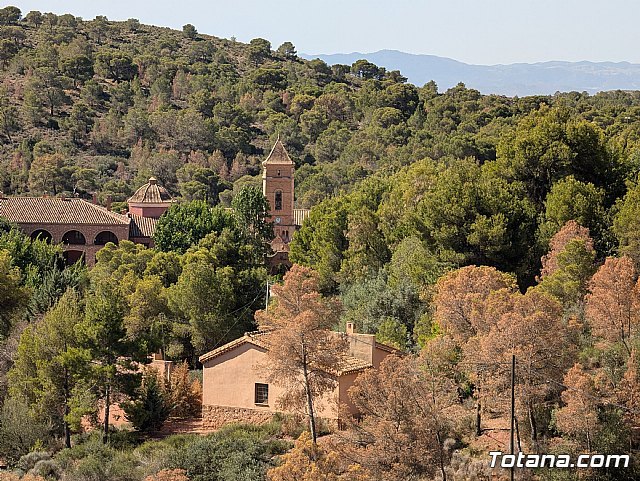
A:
(532, 423)
(441, 457)
(107, 405)
(478, 418)
(307, 388)
(67, 429)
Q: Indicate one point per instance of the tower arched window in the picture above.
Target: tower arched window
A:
(278, 199)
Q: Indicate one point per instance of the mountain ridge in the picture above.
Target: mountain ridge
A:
(539, 78)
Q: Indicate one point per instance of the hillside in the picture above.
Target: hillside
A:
(461, 228)
(98, 106)
(543, 78)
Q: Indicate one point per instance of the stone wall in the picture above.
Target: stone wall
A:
(214, 417)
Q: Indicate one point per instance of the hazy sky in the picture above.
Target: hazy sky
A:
(473, 31)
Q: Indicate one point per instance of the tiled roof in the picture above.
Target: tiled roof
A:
(352, 364)
(278, 155)
(348, 364)
(141, 226)
(151, 193)
(54, 210)
(249, 337)
(299, 215)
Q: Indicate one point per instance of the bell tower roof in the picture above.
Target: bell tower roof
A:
(278, 155)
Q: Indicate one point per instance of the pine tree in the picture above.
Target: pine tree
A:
(303, 353)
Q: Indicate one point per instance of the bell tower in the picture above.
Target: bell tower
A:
(277, 186)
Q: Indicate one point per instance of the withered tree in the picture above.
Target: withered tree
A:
(460, 299)
(613, 300)
(579, 417)
(532, 329)
(303, 353)
(404, 431)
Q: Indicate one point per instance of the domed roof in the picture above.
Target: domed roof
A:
(151, 193)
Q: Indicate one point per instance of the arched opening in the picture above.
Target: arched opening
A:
(105, 236)
(43, 235)
(74, 237)
(278, 202)
(71, 257)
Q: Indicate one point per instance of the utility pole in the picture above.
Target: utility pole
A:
(266, 298)
(513, 411)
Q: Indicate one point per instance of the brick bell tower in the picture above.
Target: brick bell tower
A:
(277, 186)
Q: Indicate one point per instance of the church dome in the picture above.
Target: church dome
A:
(150, 201)
(151, 193)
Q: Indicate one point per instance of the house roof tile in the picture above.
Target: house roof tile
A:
(141, 226)
(348, 364)
(55, 210)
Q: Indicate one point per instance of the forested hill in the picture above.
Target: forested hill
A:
(511, 79)
(99, 106)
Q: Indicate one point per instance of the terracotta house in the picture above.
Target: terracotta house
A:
(85, 227)
(235, 388)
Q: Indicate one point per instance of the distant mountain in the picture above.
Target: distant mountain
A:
(514, 79)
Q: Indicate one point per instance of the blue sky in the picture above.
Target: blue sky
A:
(473, 31)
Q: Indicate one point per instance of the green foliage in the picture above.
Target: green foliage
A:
(235, 453)
(20, 430)
(218, 290)
(9, 15)
(151, 406)
(112, 350)
(576, 264)
(392, 333)
(251, 208)
(12, 295)
(185, 224)
(189, 31)
(371, 302)
(51, 364)
(117, 66)
(626, 224)
(570, 199)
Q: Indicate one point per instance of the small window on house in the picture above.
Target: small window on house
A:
(278, 172)
(278, 200)
(262, 393)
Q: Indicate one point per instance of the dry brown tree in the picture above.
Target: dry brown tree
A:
(460, 299)
(303, 353)
(404, 431)
(613, 300)
(579, 416)
(532, 329)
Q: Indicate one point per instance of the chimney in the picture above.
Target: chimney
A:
(350, 329)
(108, 202)
(94, 198)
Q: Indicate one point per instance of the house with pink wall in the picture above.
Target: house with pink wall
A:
(235, 386)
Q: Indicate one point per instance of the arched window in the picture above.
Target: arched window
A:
(278, 200)
(74, 237)
(42, 235)
(105, 236)
(71, 257)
